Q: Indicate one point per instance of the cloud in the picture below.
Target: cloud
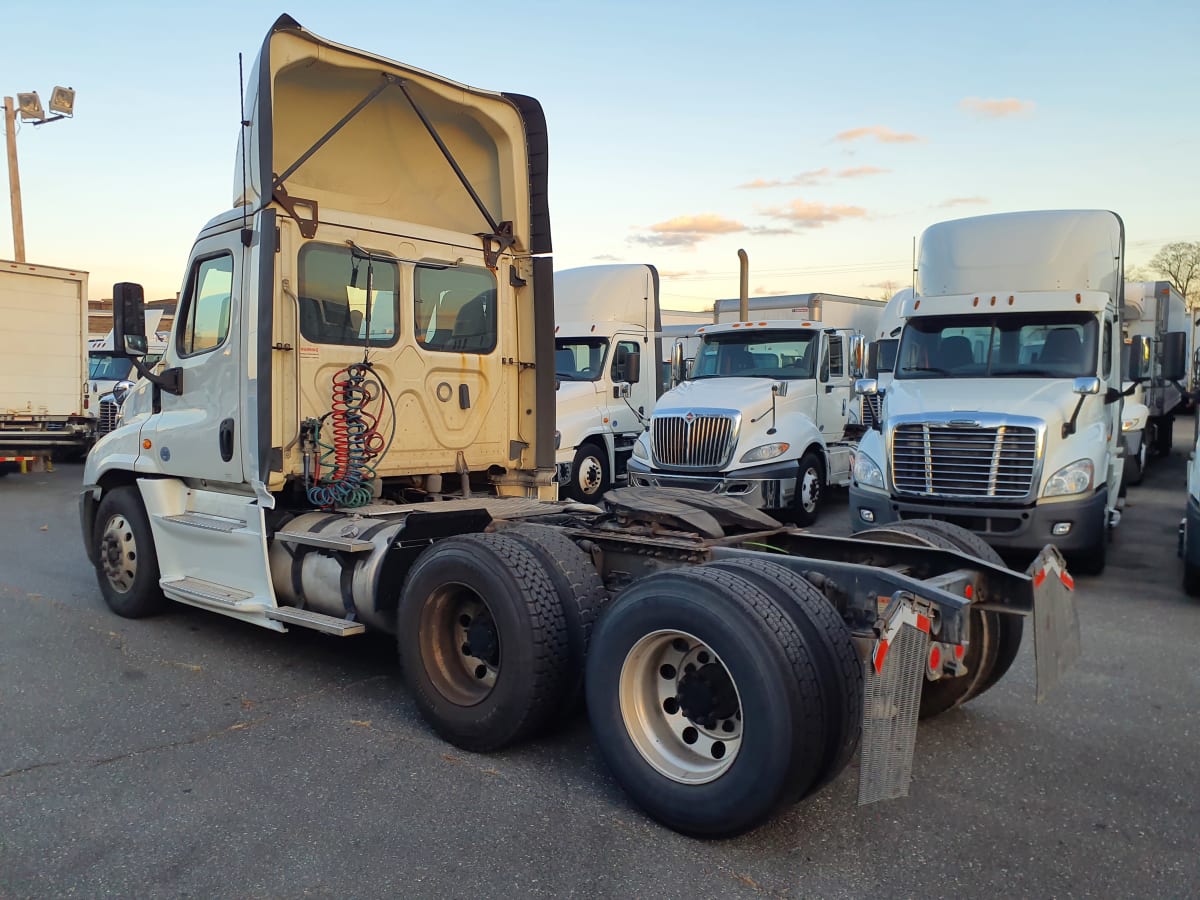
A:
(804, 214)
(607, 257)
(861, 171)
(881, 133)
(997, 109)
(768, 231)
(962, 201)
(681, 273)
(804, 179)
(687, 231)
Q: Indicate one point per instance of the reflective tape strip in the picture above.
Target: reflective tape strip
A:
(1039, 578)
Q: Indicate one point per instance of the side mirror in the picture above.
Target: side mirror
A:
(129, 320)
(869, 387)
(678, 366)
(1139, 358)
(872, 368)
(1088, 385)
(857, 348)
(633, 367)
(1174, 356)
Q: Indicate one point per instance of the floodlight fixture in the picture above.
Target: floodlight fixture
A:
(30, 106)
(62, 101)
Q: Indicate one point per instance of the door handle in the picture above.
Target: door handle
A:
(225, 440)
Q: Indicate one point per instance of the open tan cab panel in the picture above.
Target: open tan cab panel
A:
(383, 162)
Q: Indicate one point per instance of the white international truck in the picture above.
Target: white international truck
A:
(110, 377)
(1004, 415)
(766, 412)
(297, 466)
(608, 362)
(43, 364)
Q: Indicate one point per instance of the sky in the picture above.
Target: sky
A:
(820, 137)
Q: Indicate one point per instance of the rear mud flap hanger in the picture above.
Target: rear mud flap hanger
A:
(495, 242)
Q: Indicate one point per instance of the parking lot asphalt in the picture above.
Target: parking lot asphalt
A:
(190, 755)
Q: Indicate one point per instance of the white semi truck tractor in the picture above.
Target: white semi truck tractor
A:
(354, 429)
(1004, 412)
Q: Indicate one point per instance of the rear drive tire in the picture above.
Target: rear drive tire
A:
(483, 641)
(126, 562)
(580, 590)
(980, 657)
(839, 668)
(704, 700)
(810, 487)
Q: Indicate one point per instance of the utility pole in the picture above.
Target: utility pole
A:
(14, 180)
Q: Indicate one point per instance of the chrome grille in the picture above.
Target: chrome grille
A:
(957, 460)
(693, 441)
(109, 413)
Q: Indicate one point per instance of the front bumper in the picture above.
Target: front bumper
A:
(772, 486)
(1008, 528)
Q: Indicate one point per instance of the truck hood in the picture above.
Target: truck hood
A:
(1052, 401)
(380, 159)
(750, 395)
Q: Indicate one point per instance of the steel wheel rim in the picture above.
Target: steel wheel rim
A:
(452, 618)
(810, 489)
(118, 553)
(652, 680)
(590, 475)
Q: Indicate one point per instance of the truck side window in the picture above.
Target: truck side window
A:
(835, 357)
(1107, 355)
(627, 347)
(205, 316)
(333, 297)
(455, 309)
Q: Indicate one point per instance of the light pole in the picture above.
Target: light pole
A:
(62, 103)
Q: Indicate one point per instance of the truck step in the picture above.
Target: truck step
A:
(306, 618)
(205, 593)
(207, 522)
(324, 541)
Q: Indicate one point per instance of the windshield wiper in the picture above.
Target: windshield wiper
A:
(935, 369)
(1028, 373)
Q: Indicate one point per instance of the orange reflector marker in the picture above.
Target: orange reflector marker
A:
(1068, 581)
(1010, 301)
(923, 623)
(1039, 578)
(993, 303)
(762, 323)
(146, 445)
(935, 658)
(917, 305)
(969, 591)
(975, 302)
(880, 655)
(959, 651)
(1078, 298)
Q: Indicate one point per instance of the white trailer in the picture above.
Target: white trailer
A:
(829, 310)
(1004, 414)
(608, 363)
(43, 363)
(296, 466)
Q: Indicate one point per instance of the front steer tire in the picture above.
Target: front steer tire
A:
(489, 590)
(126, 562)
(637, 700)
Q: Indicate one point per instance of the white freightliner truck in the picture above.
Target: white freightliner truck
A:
(1156, 311)
(43, 364)
(1004, 415)
(607, 361)
(881, 354)
(110, 377)
(765, 415)
(354, 428)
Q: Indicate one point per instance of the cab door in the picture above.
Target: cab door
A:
(196, 433)
(833, 388)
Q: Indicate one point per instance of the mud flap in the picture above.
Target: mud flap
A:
(1055, 620)
(894, 677)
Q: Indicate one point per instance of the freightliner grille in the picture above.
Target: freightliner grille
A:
(964, 461)
(108, 416)
(693, 441)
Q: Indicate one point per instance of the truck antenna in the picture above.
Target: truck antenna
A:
(246, 236)
(914, 265)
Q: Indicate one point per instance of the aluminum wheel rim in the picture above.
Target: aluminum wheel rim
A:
(118, 554)
(810, 489)
(682, 749)
(590, 475)
(453, 666)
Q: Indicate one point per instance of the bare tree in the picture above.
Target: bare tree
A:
(887, 288)
(1180, 264)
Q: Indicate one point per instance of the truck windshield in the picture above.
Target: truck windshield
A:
(757, 354)
(579, 359)
(1010, 345)
(106, 367)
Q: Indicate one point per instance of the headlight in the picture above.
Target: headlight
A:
(866, 472)
(639, 449)
(765, 452)
(1073, 479)
(557, 439)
